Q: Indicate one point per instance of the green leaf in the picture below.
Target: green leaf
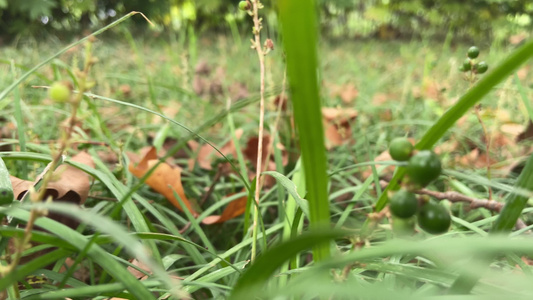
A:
(250, 284)
(299, 31)
(291, 188)
(515, 203)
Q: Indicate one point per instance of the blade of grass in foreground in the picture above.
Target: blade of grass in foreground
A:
(299, 29)
(467, 101)
(250, 283)
(98, 254)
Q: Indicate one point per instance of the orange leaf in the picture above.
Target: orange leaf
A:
(234, 209)
(164, 179)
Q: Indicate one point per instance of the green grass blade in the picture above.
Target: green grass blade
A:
(22, 271)
(299, 30)
(249, 285)
(515, 203)
(79, 241)
(291, 189)
(523, 96)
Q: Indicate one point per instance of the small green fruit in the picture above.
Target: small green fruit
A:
(403, 227)
(400, 149)
(59, 92)
(473, 52)
(403, 204)
(423, 167)
(434, 218)
(481, 67)
(244, 5)
(467, 66)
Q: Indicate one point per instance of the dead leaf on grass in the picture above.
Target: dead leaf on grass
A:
(527, 134)
(337, 125)
(165, 179)
(72, 185)
(234, 209)
(206, 154)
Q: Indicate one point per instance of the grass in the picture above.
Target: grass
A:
(403, 87)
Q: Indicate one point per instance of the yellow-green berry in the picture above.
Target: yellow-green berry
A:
(244, 5)
(400, 149)
(59, 92)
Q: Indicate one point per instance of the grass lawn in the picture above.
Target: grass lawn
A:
(373, 90)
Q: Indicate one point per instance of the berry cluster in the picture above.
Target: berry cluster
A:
(422, 168)
(470, 64)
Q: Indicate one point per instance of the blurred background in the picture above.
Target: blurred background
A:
(383, 19)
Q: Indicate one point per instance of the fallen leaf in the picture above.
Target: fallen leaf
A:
(337, 127)
(517, 38)
(206, 154)
(72, 186)
(527, 134)
(165, 179)
(138, 274)
(348, 93)
(234, 209)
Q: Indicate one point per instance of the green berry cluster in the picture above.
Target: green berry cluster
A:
(422, 168)
(471, 64)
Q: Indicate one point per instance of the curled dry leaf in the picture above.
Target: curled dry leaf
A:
(165, 179)
(72, 185)
(234, 209)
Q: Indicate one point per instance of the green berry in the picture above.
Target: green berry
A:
(424, 167)
(473, 52)
(467, 66)
(59, 92)
(400, 149)
(403, 204)
(403, 227)
(244, 5)
(481, 67)
(434, 218)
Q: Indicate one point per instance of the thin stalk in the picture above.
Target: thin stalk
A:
(256, 43)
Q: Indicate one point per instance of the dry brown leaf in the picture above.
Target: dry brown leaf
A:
(348, 93)
(138, 274)
(251, 151)
(206, 153)
(380, 99)
(337, 125)
(527, 134)
(234, 209)
(165, 179)
(517, 38)
(72, 186)
(512, 129)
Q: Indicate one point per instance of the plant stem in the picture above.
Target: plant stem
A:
(256, 43)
